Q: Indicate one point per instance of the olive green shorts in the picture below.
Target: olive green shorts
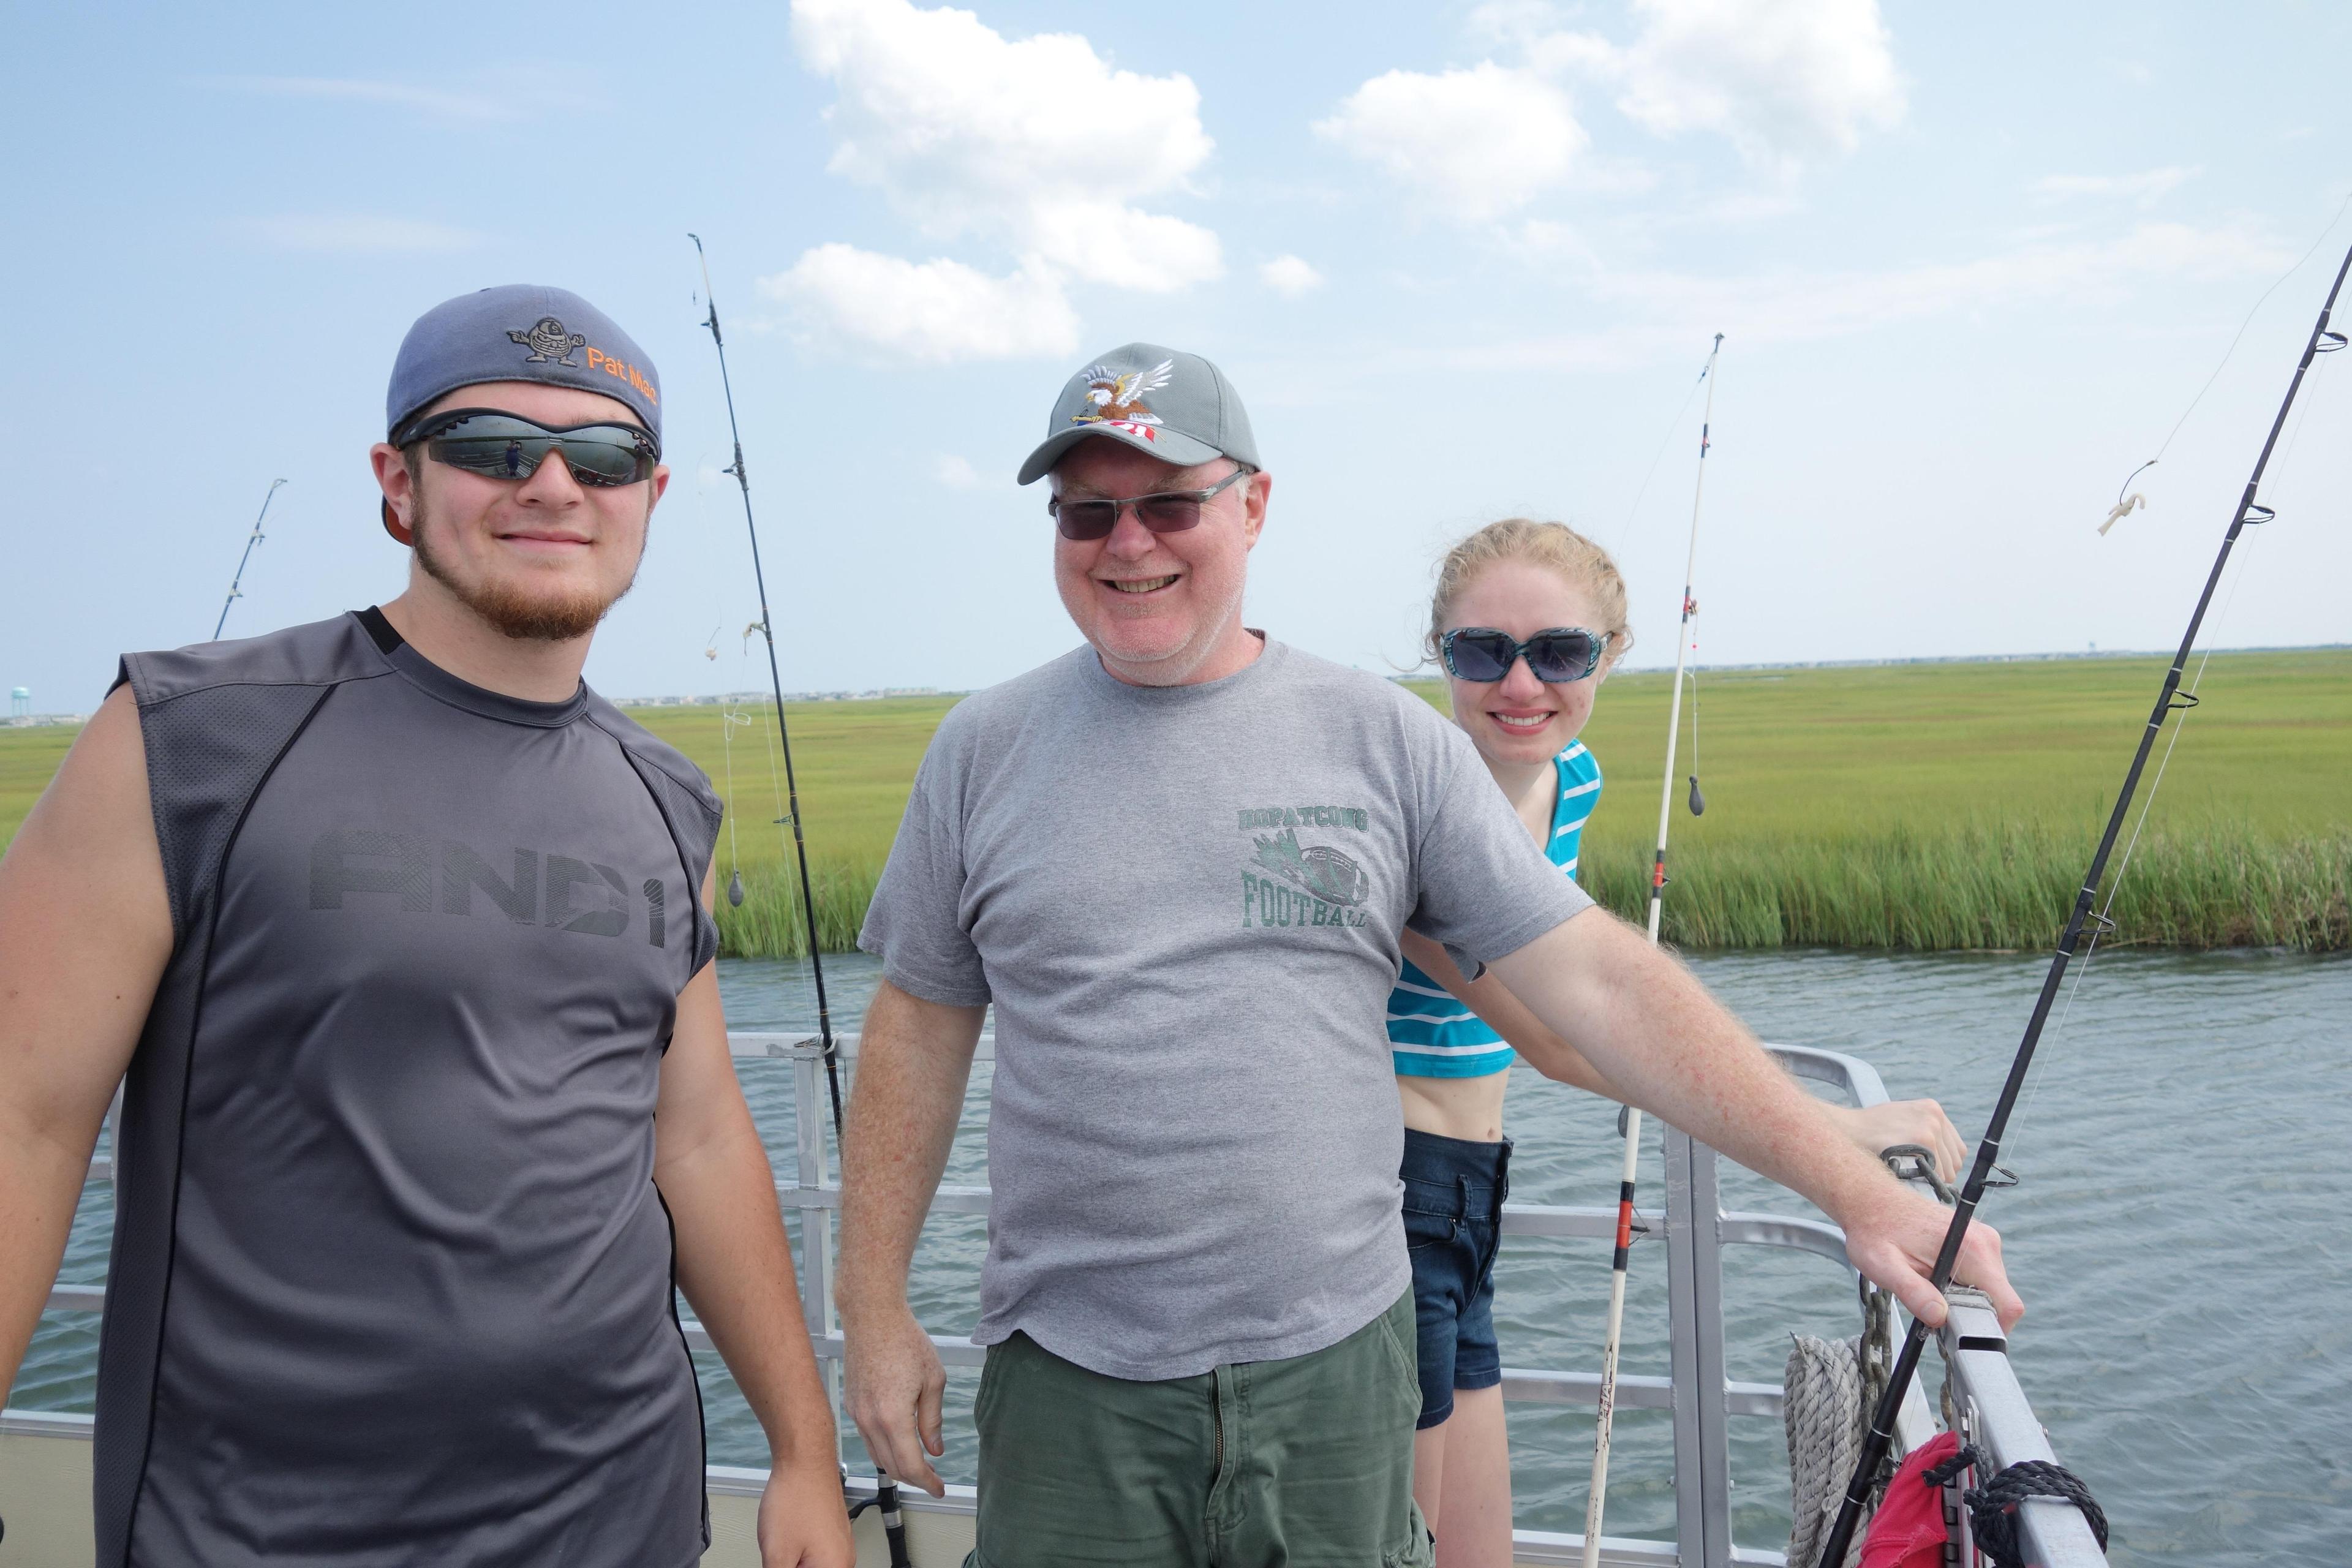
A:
(1305, 1461)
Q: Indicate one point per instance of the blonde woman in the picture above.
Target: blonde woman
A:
(1527, 620)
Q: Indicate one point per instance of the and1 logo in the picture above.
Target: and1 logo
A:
(1318, 885)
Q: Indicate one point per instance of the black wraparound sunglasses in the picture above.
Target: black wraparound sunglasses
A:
(1558, 656)
(504, 446)
(1166, 511)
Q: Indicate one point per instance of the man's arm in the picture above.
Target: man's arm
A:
(1653, 1031)
(1872, 1127)
(914, 1058)
(84, 933)
(1508, 1016)
(735, 1265)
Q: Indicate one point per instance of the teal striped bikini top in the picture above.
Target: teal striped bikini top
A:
(1431, 1033)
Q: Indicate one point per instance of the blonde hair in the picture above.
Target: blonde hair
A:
(1555, 545)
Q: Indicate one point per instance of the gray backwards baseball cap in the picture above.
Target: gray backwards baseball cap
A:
(519, 332)
(522, 332)
(1177, 407)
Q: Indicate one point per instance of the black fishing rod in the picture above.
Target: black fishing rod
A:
(2167, 701)
(776, 684)
(250, 540)
(885, 1492)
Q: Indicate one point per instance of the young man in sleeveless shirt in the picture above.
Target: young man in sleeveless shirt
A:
(1177, 862)
(397, 937)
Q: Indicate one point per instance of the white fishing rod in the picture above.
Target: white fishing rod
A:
(1617, 1263)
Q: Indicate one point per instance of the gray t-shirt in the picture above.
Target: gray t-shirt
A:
(1184, 904)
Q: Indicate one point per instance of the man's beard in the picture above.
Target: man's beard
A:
(526, 617)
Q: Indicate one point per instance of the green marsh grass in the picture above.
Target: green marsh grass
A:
(1891, 807)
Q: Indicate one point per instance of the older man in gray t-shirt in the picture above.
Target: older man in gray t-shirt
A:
(1178, 861)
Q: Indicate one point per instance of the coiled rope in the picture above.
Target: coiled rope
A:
(1993, 1507)
(1829, 1388)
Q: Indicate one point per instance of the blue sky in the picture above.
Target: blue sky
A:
(1462, 261)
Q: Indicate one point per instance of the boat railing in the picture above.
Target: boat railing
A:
(1702, 1396)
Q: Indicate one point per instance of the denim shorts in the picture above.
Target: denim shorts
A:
(1453, 1191)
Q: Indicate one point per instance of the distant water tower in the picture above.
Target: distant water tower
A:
(20, 704)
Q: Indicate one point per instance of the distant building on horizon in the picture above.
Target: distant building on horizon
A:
(761, 697)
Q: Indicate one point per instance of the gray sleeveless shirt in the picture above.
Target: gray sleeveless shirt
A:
(390, 1280)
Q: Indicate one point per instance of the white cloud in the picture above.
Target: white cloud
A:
(1476, 143)
(1802, 307)
(1515, 22)
(1786, 80)
(935, 313)
(955, 473)
(1113, 243)
(1289, 276)
(357, 233)
(2147, 188)
(1037, 144)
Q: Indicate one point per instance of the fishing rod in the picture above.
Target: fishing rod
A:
(776, 684)
(2170, 700)
(886, 1491)
(1618, 1261)
(250, 540)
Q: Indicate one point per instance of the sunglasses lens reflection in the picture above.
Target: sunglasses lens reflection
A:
(510, 448)
(1558, 657)
(1169, 514)
(1483, 655)
(1084, 520)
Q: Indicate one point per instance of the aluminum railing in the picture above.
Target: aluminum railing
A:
(1992, 1413)
(1701, 1394)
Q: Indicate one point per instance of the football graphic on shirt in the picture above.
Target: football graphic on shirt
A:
(1320, 869)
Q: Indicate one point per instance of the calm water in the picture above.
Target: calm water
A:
(2179, 1236)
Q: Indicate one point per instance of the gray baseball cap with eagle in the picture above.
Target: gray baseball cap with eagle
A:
(520, 332)
(1172, 405)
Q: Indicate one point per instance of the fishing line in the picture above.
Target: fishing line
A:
(2248, 513)
(1697, 801)
(1626, 527)
(2222, 619)
(1631, 1116)
(731, 715)
(2123, 506)
(2102, 923)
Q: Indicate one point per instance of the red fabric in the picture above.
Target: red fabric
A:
(1907, 1531)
